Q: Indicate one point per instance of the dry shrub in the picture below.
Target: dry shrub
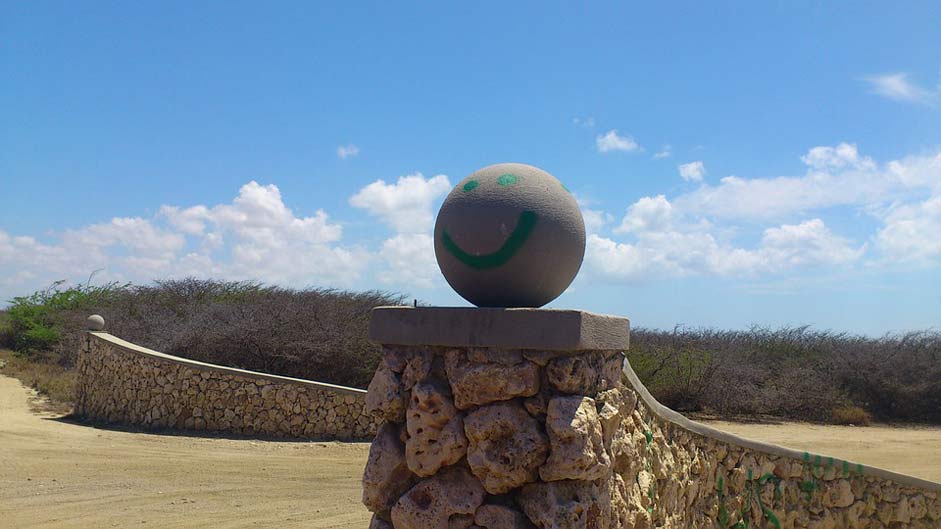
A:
(47, 377)
(314, 333)
(851, 415)
(321, 334)
(792, 372)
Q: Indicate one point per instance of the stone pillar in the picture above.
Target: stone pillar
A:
(495, 418)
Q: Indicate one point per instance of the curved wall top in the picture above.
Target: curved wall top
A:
(204, 366)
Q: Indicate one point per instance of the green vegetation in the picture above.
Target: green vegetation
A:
(34, 324)
(320, 334)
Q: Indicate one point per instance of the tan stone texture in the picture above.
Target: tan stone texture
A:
(386, 395)
(501, 517)
(567, 504)
(432, 502)
(576, 439)
(506, 446)
(119, 385)
(612, 462)
(386, 476)
(435, 430)
(584, 374)
(478, 383)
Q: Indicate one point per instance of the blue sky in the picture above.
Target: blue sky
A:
(737, 164)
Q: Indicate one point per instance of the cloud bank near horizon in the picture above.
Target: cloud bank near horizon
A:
(747, 227)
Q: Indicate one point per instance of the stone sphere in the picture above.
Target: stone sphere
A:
(510, 235)
(94, 322)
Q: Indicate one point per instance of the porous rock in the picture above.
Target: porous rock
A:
(478, 383)
(379, 523)
(584, 374)
(567, 504)
(501, 517)
(462, 521)
(394, 358)
(506, 357)
(417, 368)
(538, 404)
(506, 446)
(435, 430)
(432, 502)
(386, 395)
(386, 476)
(576, 440)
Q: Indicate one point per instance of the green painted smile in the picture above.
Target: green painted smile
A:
(524, 227)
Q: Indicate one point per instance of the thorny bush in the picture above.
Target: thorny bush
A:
(321, 334)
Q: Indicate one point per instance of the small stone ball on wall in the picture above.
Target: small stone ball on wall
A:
(94, 323)
(509, 235)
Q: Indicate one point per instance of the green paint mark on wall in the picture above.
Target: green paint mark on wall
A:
(507, 179)
(723, 511)
(524, 227)
(470, 186)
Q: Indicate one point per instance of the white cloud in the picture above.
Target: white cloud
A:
(912, 233)
(693, 171)
(809, 242)
(256, 236)
(256, 215)
(666, 245)
(664, 152)
(596, 220)
(647, 214)
(191, 221)
(843, 156)
(409, 259)
(836, 176)
(588, 122)
(347, 151)
(611, 141)
(898, 87)
(694, 233)
(406, 205)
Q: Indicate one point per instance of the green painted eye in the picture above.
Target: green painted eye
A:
(471, 185)
(507, 179)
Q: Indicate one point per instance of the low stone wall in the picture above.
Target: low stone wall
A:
(509, 438)
(679, 473)
(119, 382)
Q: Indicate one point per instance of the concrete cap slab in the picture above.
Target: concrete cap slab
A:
(514, 328)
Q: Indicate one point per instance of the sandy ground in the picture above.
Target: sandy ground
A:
(913, 450)
(54, 473)
(60, 474)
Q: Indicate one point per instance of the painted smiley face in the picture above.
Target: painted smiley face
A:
(509, 235)
(524, 227)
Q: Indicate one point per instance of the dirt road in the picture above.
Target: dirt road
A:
(56, 474)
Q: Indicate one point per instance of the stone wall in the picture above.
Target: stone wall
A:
(119, 382)
(508, 438)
